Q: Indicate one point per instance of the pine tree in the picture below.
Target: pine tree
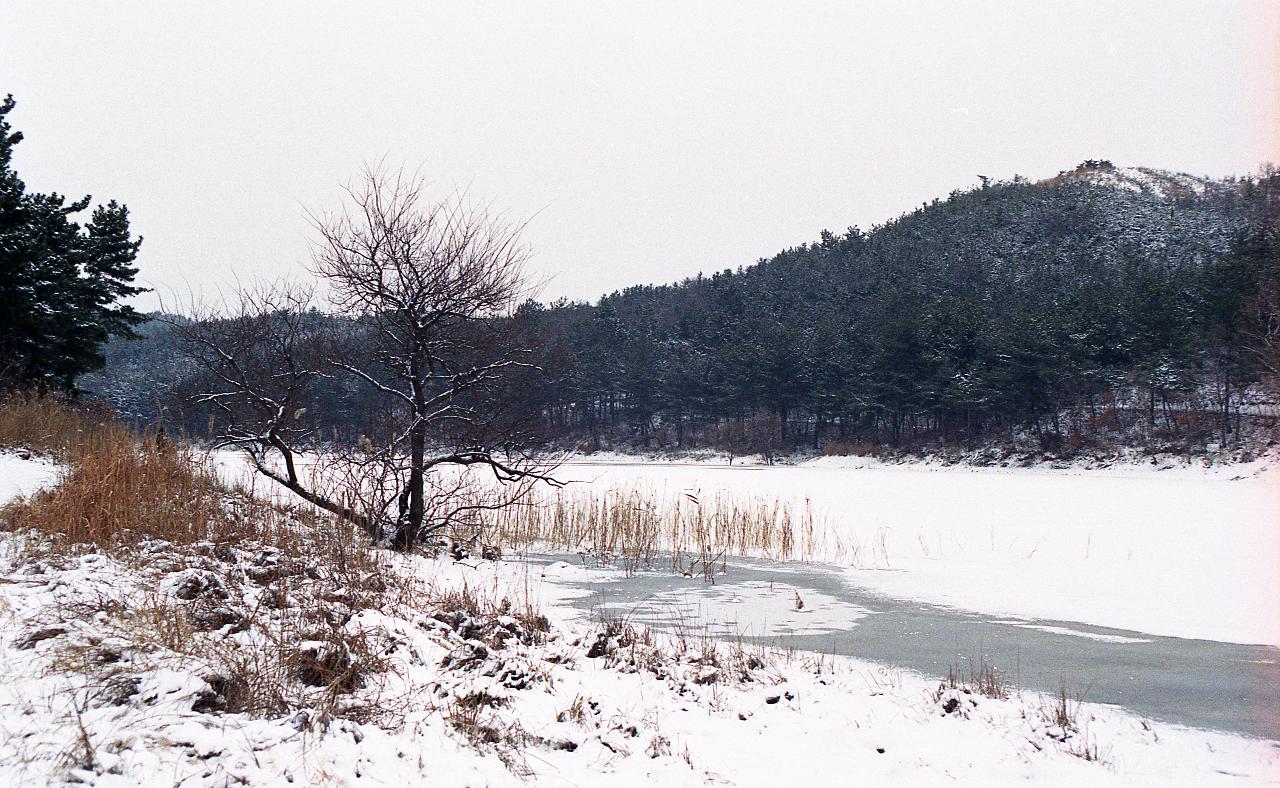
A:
(60, 283)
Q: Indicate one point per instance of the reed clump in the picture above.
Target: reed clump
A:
(122, 488)
(46, 424)
(642, 529)
(118, 489)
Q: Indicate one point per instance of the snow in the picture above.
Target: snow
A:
(1086, 635)
(1146, 179)
(634, 715)
(23, 476)
(1184, 551)
(802, 719)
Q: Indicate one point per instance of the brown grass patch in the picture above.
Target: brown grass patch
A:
(120, 489)
(47, 425)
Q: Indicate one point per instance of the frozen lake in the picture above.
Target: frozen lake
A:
(1191, 553)
(1197, 683)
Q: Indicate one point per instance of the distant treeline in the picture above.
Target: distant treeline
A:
(1100, 305)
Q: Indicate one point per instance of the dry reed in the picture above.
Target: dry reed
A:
(118, 490)
(121, 488)
(46, 424)
(642, 530)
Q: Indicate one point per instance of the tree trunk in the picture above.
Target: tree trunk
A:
(410, 527)
(1226, 409)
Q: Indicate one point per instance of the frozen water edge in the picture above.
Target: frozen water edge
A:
(1188, 552)
(1198, 683)
(805, 720)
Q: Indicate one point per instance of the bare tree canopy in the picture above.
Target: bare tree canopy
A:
(398, 254)
(422, 285)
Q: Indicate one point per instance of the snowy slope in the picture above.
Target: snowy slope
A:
(88, 697)
(587, 709)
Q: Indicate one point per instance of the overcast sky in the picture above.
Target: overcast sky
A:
(646, 141)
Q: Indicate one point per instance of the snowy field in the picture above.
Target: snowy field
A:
(1187, 552)
(590, 712)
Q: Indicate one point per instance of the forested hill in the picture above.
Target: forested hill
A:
(1097, 306)
(993, 310)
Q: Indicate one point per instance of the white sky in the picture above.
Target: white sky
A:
(647, 141)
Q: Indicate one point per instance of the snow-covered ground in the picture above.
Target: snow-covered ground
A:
(625, 716)
(1182, 551)
(23, 475)
(589, 706)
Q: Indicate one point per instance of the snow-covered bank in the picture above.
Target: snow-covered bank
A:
(1187, 551)
(1125, 463)
(115, 674)
(580, 706)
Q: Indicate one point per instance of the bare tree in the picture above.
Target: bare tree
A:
(1262, 332)
(415, 288)
(259, 361)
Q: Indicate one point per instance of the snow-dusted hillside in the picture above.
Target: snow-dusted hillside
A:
(1161, 183)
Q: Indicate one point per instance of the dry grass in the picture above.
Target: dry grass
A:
(472, 716)
(643, 530)
(1063, 713)
(1064, 718)
(46, 424)
(981, 679)
(120, 486)
(120, 489)
(123, 489)
(298, 658)
(697, 656)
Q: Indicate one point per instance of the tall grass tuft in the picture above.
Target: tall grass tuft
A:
(46, 424)
(121, 487)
